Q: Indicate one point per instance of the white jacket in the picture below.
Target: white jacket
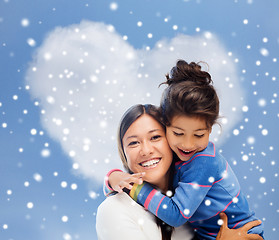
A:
(121, 218)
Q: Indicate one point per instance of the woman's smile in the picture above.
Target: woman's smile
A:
(151, 163)
(147, 150)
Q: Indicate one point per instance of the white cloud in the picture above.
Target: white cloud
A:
(85, 76)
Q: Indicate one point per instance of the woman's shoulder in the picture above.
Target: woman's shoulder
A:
(116, 203)
(123, 206)
(120, 212)
(119, 218)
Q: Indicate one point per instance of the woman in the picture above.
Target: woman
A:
(143, 147)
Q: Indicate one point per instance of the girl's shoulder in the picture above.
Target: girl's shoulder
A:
(208, 159)
(209, 151)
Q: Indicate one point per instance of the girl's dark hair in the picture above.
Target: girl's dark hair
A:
(190, 92)
(129, 117)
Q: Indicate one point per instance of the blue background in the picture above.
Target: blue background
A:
(258, 175)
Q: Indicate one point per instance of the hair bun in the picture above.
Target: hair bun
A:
(192, 72)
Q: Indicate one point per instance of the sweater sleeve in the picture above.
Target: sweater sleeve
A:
(195, 182)
(107, 189)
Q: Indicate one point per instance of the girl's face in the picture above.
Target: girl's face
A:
(147, 150)
(187, 136)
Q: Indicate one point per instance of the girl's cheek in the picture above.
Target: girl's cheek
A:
(172, 142)
(172, 147)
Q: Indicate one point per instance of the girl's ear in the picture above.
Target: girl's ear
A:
(210, 129)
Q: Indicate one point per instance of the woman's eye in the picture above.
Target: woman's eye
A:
(133, 143)
(156, 137)
(199, 136)
(177, 134)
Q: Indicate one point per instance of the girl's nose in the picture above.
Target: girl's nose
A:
(187, 144)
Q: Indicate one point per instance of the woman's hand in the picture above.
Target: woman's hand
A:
(226, 233)
(120, 180)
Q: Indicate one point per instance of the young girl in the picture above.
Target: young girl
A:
(204, 183)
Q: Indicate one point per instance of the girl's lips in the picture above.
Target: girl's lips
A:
(186, 153)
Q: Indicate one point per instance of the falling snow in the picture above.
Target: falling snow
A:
(60, 104)
(25, 22)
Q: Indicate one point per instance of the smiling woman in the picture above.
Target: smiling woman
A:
(143, 147)
(147, 150)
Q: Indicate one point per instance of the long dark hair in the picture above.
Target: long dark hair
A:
(129, 117)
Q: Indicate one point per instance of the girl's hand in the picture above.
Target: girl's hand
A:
(226, 233)
(119, 180)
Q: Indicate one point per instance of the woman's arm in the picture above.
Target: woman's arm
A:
(226, 233)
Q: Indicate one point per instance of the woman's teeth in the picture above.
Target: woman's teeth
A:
(150, 162)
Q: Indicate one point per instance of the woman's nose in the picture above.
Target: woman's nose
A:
(146, 149)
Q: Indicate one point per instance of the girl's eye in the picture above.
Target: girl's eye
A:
(133, 143)
(199, 136)
(156, 137)
(177, 134)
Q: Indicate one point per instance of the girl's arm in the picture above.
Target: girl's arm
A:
(226, 233)
(176, 210)
(116, 180)
(191, 191)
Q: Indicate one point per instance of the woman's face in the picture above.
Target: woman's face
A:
(147, 150)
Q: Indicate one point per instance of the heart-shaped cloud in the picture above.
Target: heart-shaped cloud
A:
(86, 75)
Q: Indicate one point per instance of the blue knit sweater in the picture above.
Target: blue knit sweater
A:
(205, 185)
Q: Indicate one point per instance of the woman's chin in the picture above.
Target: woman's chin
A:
(154, 179)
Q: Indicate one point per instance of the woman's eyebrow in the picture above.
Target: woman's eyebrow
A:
(154, 130)
(135, 136)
